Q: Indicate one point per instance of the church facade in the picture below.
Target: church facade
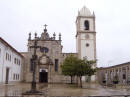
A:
(50, 55)
(48, 67)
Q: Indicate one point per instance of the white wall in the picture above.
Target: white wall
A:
(1, 61)
(4, 63)
(87, 51)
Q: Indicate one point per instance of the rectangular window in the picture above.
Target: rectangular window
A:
(19, 62)
(6, 56)
(14, 77)
(56, 64)
(0, 52)
(18, 76)
(10, 57)
(15, 60)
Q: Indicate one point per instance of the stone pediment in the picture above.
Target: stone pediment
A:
(44, 60)
(45, 35)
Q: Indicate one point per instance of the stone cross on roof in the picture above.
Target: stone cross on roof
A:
(45, 35)
(45, 30)
(45, 26)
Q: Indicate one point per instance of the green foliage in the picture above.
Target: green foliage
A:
(83, 67)
(72, 66)
(68, 67)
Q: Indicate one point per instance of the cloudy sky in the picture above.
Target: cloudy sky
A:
(19, 17)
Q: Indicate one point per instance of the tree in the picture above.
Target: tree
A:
(83, 68)
(72, 66)
(68, 67)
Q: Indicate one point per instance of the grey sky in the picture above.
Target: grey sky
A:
(19, 17)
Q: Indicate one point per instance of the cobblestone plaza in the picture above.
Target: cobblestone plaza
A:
(54, 90)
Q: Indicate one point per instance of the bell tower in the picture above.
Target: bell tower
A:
(86, 35)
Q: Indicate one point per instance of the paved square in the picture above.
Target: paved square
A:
(62, 90)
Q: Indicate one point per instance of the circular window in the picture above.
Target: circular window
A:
(87, 44)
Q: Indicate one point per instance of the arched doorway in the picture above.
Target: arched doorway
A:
(43, 76)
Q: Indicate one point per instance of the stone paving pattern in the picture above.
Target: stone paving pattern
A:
(63, 90)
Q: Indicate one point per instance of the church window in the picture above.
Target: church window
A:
(56, 64)
(86, 24)
(87, 44)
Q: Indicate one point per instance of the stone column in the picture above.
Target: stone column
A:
(112, 74)
(121, 76)
(108, 76)
(126, 74)
(49, 74)
(37, 73)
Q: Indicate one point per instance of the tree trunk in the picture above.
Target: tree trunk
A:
(71, 79)
(80, 81)
(77, 79)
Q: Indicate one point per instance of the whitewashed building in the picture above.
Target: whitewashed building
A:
(10, 63)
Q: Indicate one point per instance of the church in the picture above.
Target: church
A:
(50, 55)
(17, 66)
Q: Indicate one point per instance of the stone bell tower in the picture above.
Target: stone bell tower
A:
(86, 35)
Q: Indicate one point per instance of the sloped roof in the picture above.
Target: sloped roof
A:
(7, 44)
